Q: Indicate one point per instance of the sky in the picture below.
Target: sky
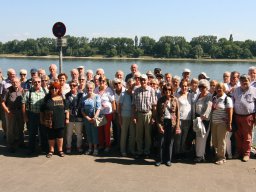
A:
(22, 19)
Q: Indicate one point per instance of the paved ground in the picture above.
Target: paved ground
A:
(113, 173)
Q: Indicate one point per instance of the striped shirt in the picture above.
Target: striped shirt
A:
(144, 99)
(220, 105)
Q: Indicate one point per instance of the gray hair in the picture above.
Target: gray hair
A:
(205, 83)
(244, 77)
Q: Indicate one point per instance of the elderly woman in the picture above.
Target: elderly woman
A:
(175, 83)
(125, 114)
(213, 84)
(82, 83)
(107, 108)
(96, 80)
(154, 84)
(45, 83)
(168, 122)
(185, 103)
(203, 106)
(54, 116)
(244, 107)
(62, 77)
(90, 110)
(222, 110)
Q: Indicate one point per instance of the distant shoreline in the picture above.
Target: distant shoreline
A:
(145, 58)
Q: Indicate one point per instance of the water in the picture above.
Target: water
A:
(213, 69)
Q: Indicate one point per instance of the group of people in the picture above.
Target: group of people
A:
(144, 114)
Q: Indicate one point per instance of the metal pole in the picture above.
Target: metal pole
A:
(60, 60)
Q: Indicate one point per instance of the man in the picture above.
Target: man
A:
(5, 84)
(134, 69)
(186, 75)
(120, 75)
(89, 76)
(31, 104)
(157, 71)
(100, 72)
(23, 77)
(28, 84)
(234, 82)
(118, 90)
(244, 98)
(168, 78)
(226, 77)
(252, 74)
(53, 72)
(144, 107)
(81, 70)
(74, 75)
(11, 103)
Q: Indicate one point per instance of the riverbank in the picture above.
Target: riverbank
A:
(143, 58)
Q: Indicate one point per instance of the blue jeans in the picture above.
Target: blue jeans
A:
(166, 142)
(91, 132)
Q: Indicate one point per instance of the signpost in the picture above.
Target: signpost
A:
(59, 30)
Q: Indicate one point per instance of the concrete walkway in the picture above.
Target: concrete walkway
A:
(112, 173)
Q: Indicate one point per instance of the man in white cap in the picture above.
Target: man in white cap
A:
(144, 108)
(186, 74)
(23, 77)
(203, 75)
(80, 70)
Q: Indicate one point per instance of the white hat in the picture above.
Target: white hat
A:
(186, 70)
(144, 76)
(23, 71)
(116, 80)
(205, 75)
(80, 67)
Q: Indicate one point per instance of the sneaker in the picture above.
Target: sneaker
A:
(88, 152)
(95, 152)
(246, 158)
(124, 155)
(68, 151)
(168, 163)
(220, 162)
(80, 150)
(157, 164)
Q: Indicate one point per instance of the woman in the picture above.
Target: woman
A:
(82, 83)
(54, 116)
(168, 122)
(127, 126)
(203, 106)
(107, 108)
(222, 110)
(185, 102)
(62, 77)
(90, 110)
(154, 84)
(175, 83)
(213, 84)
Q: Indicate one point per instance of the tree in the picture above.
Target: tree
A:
(197, 52)
(231, 38)
(136, 41)
(137, 52)
(147, 44)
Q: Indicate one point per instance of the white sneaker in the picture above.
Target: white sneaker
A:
(95, 152)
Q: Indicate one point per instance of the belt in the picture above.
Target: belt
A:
(144, 112)
(245, 115)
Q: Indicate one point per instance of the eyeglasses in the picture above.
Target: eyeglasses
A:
(152, 83)
(54, 88)
(117, 83)
(22, 74)
(43, 80)
(81, 79)
(201, 87)
(136, 77)
(73, 85)
(102, 81)
(37, 82)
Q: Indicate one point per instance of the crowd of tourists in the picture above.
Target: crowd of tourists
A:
(145, 115)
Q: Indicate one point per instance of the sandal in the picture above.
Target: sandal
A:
(61, 154)
(50, 154)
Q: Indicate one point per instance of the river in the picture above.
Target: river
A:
(213, 69)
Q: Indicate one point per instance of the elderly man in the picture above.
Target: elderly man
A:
(252, 74)
(234, 82)
(53, 72)
(144, 107)
(244, 106)
(89, 75)
(31, 104)
(81, 70)
(186, 75)
(11, 103)
(74, 75)
(5, 84)
(28, 84)
(134, 69)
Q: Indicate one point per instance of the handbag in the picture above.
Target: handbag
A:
(100, 121)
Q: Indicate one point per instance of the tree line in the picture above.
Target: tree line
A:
(166, 47)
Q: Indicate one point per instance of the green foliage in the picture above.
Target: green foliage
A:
(167, 47)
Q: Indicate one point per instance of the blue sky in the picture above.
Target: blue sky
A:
(22, 19)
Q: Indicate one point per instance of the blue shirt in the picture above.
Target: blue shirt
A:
(126, 104)
(91, 105)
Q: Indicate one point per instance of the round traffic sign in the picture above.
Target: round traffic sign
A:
(59, 29)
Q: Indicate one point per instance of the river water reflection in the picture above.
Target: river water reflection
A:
(213, 69)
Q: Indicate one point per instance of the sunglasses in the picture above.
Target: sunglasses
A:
(81, 79)
(44, 80)
(201, 87)
(37, 82)
(117, 83)
(73, 85)
(54, 88)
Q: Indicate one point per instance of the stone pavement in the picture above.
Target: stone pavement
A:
(113, 173)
